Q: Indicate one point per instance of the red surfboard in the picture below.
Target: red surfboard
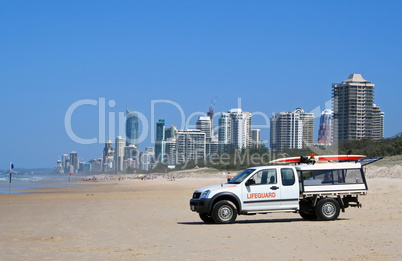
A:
(320, 158)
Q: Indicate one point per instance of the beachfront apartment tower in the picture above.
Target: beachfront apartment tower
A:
(108, 154)
(224, 132)
(74, 162)
(234, 130)
(170, 156)
(255, 138)
(160, 141)
(147, 159)
(204, 124)
(307, 119)
(378, 123)
(353, 106)
(241, 129)
(291, 130)
(190, 145)
(119, 153)
(325, 129)
(132, 132)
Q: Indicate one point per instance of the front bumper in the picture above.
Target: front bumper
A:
(202, 205)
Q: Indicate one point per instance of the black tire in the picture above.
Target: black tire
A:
(311, 215)
(224, 212)
(327, 209)
(307, 211)
(207, 218)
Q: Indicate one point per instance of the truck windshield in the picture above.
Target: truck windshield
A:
(241, 176)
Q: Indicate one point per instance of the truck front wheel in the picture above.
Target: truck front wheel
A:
(224, 212)
(206, 218)
(327, 209)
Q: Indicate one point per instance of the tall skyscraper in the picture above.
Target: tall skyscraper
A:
(224, 132)
(378, 123)
(241, 129)
(204, 124)
(170, 132)
(325, 131)
(307, 119)
(108, 156)
(160, 141)
(131, 157)
(74, 162)
(132, 132)
(353, 102)
(234, 130)
(291, 130)
(64, 162)
(256, 137)
(190, 145)
(147, 159)
(170, 156)
(119, 153)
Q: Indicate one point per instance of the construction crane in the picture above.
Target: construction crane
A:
(211, 116)
(211, 109)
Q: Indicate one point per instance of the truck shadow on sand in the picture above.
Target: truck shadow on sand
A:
(261, 221)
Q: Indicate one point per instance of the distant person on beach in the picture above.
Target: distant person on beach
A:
(229, 176)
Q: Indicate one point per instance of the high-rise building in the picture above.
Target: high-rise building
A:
(234, 130)
(147, 159)
(132, 132)
(95, 165)
(256, 137)
(353, 102)
(108, 156)
(74, 162)
(160, 141)
(224, 132)
(307, 119)
(291, 130)
(170, 145)
(131, 157)
(378, 123)
(119, 153)
(325, 130)
(64, 162)
(170, 132)
(241, 129)
(204, 124)
(212, 147)
(190, 145)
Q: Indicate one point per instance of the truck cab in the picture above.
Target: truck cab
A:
(254, 190)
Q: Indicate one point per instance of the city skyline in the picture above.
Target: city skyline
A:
(274, 56)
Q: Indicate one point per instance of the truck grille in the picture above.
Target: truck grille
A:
(196, 195)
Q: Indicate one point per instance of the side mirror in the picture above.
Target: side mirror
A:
(250, 182)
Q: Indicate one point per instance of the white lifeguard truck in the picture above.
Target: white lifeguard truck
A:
(315, 191)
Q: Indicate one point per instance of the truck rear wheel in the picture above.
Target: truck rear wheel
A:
(327, 209)
(224, 212)
(308, 215)
(206, 218)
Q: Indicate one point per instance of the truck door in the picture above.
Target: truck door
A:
(289, 192)
(261, 191)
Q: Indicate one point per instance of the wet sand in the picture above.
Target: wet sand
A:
(151, 220)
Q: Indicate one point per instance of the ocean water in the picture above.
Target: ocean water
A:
(28, 182)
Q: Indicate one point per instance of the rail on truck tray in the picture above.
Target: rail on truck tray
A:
(340, 180)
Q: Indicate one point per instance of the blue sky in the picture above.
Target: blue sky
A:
(274, 55)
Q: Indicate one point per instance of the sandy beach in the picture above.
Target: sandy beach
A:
(151, 220)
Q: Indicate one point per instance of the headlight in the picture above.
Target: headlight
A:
(205, 194)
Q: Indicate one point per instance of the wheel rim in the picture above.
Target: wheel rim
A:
(225, 213)
(328, 209)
